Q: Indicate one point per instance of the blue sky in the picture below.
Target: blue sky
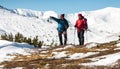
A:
(60, 6)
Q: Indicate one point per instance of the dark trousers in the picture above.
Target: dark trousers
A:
(81, 37)
(60, 37)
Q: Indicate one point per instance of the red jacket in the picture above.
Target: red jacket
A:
(81, 24)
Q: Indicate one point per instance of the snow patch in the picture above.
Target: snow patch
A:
(102, 49)
(10, 48)
(106, 60)
(118, 45)
(58, 55)
(81, 55)
(117, 49)
(18, 68)
(91, 45)
(66, 47)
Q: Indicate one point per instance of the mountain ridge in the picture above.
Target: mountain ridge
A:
(102, 25)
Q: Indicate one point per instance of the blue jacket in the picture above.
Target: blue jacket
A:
(62, 24)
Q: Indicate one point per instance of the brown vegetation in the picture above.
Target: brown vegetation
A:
(41, 60)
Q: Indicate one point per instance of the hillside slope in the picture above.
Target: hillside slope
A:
(99, 56)
(101, 43)
(104, 24)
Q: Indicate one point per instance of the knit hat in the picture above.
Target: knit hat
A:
(79, 14)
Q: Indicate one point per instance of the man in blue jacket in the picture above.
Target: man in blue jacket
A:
(62, 28)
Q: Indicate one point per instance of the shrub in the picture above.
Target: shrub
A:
(40, 43)
(10, 37)
(4, 37)
(20, 38)
(29, 41)
(35, 41)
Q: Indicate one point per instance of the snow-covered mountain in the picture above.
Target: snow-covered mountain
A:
(32, 13)
(1, 7)
(104, 24)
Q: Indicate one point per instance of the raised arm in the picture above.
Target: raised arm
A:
(56, 19)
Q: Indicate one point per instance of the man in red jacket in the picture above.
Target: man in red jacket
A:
(81, 25)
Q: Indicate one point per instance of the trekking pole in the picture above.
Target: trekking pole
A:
(56, 40)
(86, 36)
(74, 35)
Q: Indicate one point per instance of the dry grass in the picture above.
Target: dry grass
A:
(40, 60)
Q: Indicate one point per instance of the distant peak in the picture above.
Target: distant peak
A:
(108, 9)
(111, 8)
(1, 7)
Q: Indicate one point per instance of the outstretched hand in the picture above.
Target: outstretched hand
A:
(48, 20)
(50, 17)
